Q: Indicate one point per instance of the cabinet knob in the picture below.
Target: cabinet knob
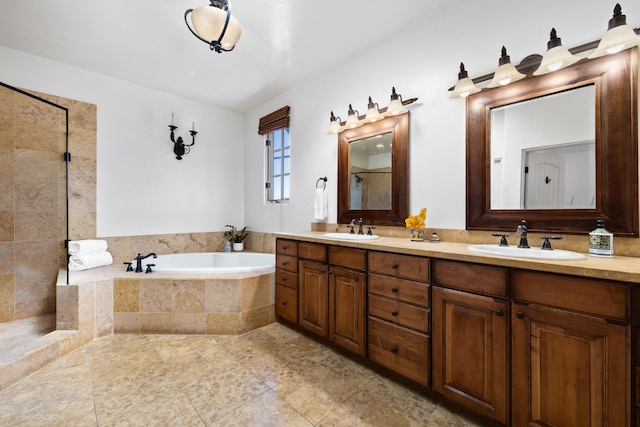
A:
(323, 271)
(284, 279)
(520, 315)
(285, 247)
(284, 303)
(394, 349)
(499, 313)
(285, 262)
(394, 313)
(394, 265)
(394, 290)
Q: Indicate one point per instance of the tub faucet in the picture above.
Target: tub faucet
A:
(139, 259)
(522, 231)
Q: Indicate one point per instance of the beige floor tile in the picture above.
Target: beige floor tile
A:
(266, 410)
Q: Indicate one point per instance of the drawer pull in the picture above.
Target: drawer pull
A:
(520, 315)
(285, 247)
(394, 290)
(499, 313)
(284, 279)
(394, 349)
(284, 303)
(394, 265)
(285, 262)
(323, 271)
(394, 313)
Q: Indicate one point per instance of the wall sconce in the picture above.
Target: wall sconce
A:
(179, 147)
(506, 72)
(354, 120)
(556, 57)
(618, 37)
(214, 25)
(465, 85)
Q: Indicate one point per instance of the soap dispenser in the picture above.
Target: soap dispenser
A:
(601, 241)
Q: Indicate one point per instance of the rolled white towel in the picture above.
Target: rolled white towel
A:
(89, 246)
(85, 262)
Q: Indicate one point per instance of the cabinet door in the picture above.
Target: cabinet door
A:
(568, 369)
(347, 293)
(470, 351)
(314, 296)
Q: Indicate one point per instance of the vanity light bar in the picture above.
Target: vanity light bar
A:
(355, 119)
(531, 63)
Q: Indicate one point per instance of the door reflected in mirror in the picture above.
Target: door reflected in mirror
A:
(543, 153)
(371, 173)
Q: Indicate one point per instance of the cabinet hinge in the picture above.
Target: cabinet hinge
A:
(67, 156)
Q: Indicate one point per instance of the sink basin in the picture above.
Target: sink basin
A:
(531, 253)
(349, 236)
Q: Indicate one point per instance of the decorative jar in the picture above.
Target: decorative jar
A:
(416, 234)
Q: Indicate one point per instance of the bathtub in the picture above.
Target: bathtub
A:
(212, 262)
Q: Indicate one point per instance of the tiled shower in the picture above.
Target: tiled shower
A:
(33, 222)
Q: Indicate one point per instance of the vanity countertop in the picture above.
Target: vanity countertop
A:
(625, 269)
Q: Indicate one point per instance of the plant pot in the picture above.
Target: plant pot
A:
(416, 235)
(238, 247)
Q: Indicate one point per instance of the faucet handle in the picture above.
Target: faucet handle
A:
(351, 228)
(503, 239)
(546, 245)
(148, 270)
(128, 264)
(369, 233)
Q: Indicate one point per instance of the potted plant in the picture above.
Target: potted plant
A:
(236, 236)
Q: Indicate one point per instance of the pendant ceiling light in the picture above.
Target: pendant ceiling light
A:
(506, 72)
(556, 57)
(619, 36)
(214, 25)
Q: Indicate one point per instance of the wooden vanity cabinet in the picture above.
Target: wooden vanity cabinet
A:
(470, 330)
(571, 351)
(332, 294)
(398, 314)
(286, 299)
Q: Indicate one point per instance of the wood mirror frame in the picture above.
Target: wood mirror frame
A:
(399, 126)
(616, 82)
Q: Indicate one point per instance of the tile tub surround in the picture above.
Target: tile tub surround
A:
(230, 304)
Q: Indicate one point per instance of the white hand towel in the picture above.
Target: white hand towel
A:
(85, 262)
(88, 246)
(320, 210)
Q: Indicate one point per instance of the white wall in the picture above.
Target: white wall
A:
(421, 62)
(141, 187)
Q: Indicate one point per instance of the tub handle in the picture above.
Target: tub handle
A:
(148, 270)
(129, 267)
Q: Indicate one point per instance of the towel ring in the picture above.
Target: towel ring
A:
(323, 184)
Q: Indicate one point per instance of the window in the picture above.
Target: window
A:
(275, 128)
(277, 144)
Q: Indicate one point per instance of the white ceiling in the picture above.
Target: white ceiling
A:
(147, 42)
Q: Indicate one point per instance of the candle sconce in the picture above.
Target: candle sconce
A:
(179, 147)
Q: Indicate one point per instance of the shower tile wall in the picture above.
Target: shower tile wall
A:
(33, 196)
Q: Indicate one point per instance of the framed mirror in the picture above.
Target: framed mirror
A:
(558, 150)
(372, 172)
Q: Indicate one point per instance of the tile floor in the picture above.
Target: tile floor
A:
(272, 376)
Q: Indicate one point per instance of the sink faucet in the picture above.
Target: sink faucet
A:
(522, 231)
(139, 259)
(359, 222)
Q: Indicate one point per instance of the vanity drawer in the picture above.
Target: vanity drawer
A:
(400, 349)
(400, 313)
(287, 263)
(399, 289)
(286, 304)
(348, 257)
(312, 251)
(581, 294)
(476, 278)
(287, 279)
(404, 266)
(287, 247)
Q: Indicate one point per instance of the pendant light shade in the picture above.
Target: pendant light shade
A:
(214, 25)
(506, 72)
(556, 57)
(619, 36)
(395, 104)
(373, 113)
(465, 85)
